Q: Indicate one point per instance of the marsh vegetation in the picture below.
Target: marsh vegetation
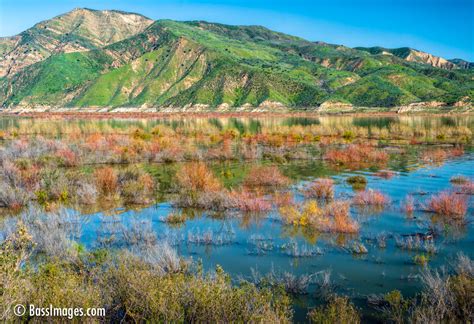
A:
(251, 219)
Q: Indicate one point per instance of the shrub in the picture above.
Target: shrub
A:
(370, 198)
(339, 211)
(385, 174)
(265, 176)
(448, 204)
(175, 218)
(250, 202)
(196, 177)
(334, 217)
(68, 157)
(155, 285)
(357, 182)
(12, 197)
(459, 179)
(421, 259)
(321, 188)
(356, 155)
(106, 180)
(467, 188)
(86, 193)
(281, 199)
(408, 206)
(337, 310)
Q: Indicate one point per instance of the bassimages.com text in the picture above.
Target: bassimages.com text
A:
(51, 311)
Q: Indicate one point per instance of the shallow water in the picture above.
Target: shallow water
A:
(235, 236)
(243, 243)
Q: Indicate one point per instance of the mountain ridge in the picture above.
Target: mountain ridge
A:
(215, 66)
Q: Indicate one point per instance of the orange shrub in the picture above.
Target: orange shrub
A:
(106, 180)
(197, 177)
(342, 222)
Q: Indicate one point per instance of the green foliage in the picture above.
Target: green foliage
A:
(131, 289)
(337, 310)
(180, 63)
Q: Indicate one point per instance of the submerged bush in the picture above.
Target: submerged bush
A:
(266, 176)
(333, 217)
(357, 155)
(196, 177)
(357, 182)
(321, 188)
(448, 204)
(370, 198)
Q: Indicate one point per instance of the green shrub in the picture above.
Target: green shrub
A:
(337, 310)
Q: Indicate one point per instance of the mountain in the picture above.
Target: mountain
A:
(78, 30)
(215, 66)
(462, 64)
(413, 55)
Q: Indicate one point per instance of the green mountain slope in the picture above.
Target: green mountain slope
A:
(177, 64)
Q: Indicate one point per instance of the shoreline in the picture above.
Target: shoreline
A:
(132, 113)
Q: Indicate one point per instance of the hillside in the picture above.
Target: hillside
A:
(215, 66)
(75, 31)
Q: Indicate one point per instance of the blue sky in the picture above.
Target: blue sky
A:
(441, 27)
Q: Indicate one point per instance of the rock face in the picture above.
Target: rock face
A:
(420, 106)
(416, 56)
(78, 30)
(426, 58)
(332, 105)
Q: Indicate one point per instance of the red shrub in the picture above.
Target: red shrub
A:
(249, 202)
(386, 174)
(266, 176)
(448, 204)
(356, 154)
(467, 188)
(370, 198)
(409, 205)
(281, 199)
(68, 157)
